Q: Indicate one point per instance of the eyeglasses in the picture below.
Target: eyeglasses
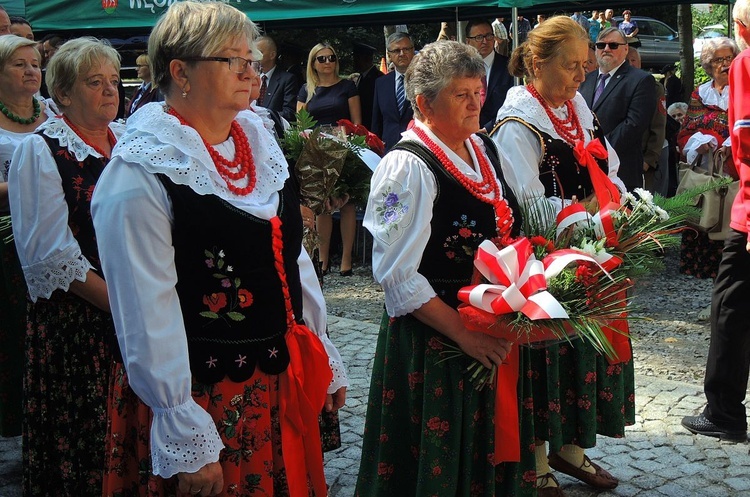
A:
(719, 61)
(740, 22)
(613, 45)
(236, 64)
(323, 58)
(481, 38)
(399, 51)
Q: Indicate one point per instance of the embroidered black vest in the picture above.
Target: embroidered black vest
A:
(229, 289)
(559, 168)
(78, 181)
(460, 222)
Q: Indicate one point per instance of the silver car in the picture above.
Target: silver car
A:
(660, 44)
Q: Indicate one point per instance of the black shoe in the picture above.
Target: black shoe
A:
(700, 425)
(348, 272)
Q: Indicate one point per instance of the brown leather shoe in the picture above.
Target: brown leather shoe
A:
(549, 491)
(601, 479)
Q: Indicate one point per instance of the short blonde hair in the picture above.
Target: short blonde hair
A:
(312, 74)
(544, 42)
(10, 43)
(194, 29)
(75, 57)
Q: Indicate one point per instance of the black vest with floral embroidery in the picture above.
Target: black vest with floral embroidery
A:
(460, 222)
(229, 289)
(78, 181)
(559, 170)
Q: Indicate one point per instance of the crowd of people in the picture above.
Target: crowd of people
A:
(171, 337)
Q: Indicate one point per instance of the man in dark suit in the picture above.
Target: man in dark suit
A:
(280, 92)
(624, 100)
(368, 75)
(388, 121)
(479, 34)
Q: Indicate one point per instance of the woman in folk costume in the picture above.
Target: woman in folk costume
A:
(222, 380)
(558, 151)
(435, 197)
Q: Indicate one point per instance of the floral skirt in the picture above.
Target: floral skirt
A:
(247, 418)
(428, 431)
(12, 332)
(699, 255)
(578, 394)
(65, 396)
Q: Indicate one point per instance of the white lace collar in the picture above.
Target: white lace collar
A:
(522, 104)
(57, 128)
(161, 145)
(711, 96)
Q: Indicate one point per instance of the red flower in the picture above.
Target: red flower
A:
(215, 301)
(464, 232)
(244, 297)
(349, 127)
(433, 423)
(375, 143)
(436, 471)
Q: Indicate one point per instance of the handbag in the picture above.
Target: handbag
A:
(715, 205)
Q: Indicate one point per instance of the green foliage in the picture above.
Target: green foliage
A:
(6, 230)
(716, 14)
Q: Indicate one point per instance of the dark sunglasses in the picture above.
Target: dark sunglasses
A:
(323, 58)
(613, 45)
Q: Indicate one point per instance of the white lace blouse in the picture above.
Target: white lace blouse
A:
(522, 146)
(399, 211)
(49, 253)
(133, 216)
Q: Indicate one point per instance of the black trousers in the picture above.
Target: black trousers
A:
(728, 362)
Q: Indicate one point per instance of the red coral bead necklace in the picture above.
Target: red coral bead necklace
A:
(479, 189)
(569, 129)
(110, 136)
(243, 165)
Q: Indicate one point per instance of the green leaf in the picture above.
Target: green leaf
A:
(235, 316)
(220, 264)
(219, 276)
(209, 314)
(237, 283)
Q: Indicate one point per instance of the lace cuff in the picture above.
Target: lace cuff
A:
(183, 440)
(46, 276)
(403, 297)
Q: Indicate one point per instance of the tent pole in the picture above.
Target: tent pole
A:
(514, 37)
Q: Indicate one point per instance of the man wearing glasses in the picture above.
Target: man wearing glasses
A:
(497, 81)
(624, 100)
(391, 111)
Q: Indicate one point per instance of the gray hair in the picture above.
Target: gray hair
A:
(677, 106)
(396, 37)
(194, 29)
(76, 57)
(741, 11)
(713, 45)
(436, 65)
(9, 45)
(608, 31)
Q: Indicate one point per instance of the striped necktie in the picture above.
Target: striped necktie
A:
(600, 87)
(400, 93)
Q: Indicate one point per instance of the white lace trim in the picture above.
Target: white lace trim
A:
(711, 96)
(520, 103)
(340, 378)
(57, 128)
(177, 446)
(158, 142)
(57, 272)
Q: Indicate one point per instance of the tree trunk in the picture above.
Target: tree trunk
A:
(687, 63)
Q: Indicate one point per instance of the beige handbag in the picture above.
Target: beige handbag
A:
(716, 204)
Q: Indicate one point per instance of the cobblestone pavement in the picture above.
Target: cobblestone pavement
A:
(657, 457)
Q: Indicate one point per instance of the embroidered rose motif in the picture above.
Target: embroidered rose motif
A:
(232, 298)
(392, 211)
(462, 245)
(215, 301)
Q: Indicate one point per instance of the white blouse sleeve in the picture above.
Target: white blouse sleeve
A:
(314, 314)
(138, 261)
(398, 215)
(524, 151)
(49, 253)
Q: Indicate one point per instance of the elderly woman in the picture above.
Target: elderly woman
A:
(200, 233)
(52, 175)
(704, 129)
(20, 78)
(329, 98)
(424, 434)
(146, 92)
(539, 126)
